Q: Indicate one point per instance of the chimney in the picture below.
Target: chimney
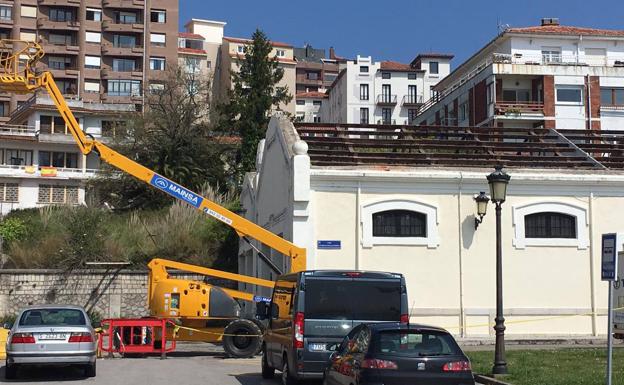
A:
(550, 21)
(332, 53)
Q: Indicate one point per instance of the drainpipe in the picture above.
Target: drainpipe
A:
(592, 256)
(462, 314)
(357, 225)
(588, 82)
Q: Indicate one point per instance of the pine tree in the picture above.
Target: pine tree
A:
(254, 93)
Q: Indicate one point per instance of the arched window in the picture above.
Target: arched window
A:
(549, 225)
(399, 223)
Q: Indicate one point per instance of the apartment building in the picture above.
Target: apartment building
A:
(385, 92)
(549, 75)
(102, 54)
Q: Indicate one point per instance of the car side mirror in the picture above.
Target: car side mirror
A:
(333, 347)
(262, 310)
(7, 325)
(274, 310)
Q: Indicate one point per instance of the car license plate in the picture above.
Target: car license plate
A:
(317, 347)
(52, 336)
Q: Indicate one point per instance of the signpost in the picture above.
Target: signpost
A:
(611, 245)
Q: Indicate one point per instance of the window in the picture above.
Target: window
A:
(67, 87)
(363, 91)
(158, 39)
(58, 159)
(57, 194)
(399, 222)
(4, 110)
(94, 14)
(312, 75)
(6, 12)
(60, 39)
(412, 113)
(411, 76)
(280, 53)
(60, 14)
(433, 67)
(124, 41)
(240, 49)
(157, 63)
(158, 16)
(93, 37)
(549, 225)
(53, 317)
(416, 343)
(412, 96)
(9, 192)
(92, 61)
(330, 77)
(59, 62)
(124, 87)
(316, 102)
(14, 157)
(463, 109)
(386, 75)
(52, 125)
(301, 102)
(192, 64)
(364, 69)
(156, 88)
(363, 115)
(612, 96)
(317, 119)
(551, 55)
(386, 115)
(516, 95)
(125, 17)
(28, 11)
(92, 86)
(569, 95)
(124, 65)
(29, 35)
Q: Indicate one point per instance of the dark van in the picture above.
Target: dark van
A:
(313, 310)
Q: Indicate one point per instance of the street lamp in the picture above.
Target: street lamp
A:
(482, 202)
(498, 181)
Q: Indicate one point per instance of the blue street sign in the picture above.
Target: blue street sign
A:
(328, 245)
(610, 249)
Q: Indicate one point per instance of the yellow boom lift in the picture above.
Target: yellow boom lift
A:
(205, 312)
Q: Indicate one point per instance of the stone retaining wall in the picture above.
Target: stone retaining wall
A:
(110, 293)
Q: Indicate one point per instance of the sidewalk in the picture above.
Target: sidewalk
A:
(523, 343)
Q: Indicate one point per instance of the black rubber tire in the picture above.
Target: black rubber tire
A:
(287, 378)
(267, 371)
(242, 347)
(89, 370)
(10, 372)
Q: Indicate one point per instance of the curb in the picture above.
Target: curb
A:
(489, 380)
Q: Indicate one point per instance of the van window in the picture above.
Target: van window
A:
(366, 300)
(283, 297)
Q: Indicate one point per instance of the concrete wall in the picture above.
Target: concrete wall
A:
(122, 294)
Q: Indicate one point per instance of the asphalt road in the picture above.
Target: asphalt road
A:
(188, 366)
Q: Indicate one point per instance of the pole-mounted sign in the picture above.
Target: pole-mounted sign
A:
(611, 244)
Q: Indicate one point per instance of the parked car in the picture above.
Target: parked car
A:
(312, 310)
(394, 353)
(51, 335)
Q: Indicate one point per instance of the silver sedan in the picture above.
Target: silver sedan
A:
(51, 335)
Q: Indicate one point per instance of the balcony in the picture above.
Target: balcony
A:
(67, 72)
(110, 50)
(518, 108)
(60, 3)
(386, 121)
(109, 73)
(17, 131)
(124, 4)
(111, 26)
(122, 99)
(386, 100)
(61, 49)
(68, 25)
(51, 172)
(412, 100)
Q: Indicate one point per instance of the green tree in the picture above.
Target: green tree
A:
(253, 95)
(172, 137)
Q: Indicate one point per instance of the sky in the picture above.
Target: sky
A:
(396, 29)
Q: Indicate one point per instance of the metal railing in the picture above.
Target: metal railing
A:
(386, 99)
(17, 130)
(35, 168)
(504, 107)
(412, 99)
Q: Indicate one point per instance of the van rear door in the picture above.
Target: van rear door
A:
(333, 303)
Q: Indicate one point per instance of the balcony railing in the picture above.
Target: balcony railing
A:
(386, 121)
(17, 130)
(35, 169)
(386, 99)
(412, 100)
(506, 108)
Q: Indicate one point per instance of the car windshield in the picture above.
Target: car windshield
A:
(358, 299)
(52, 317)
(415, 343)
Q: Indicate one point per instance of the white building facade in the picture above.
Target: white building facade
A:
(549, 76)
(552, 283)
(369, 92)
(308, 106)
